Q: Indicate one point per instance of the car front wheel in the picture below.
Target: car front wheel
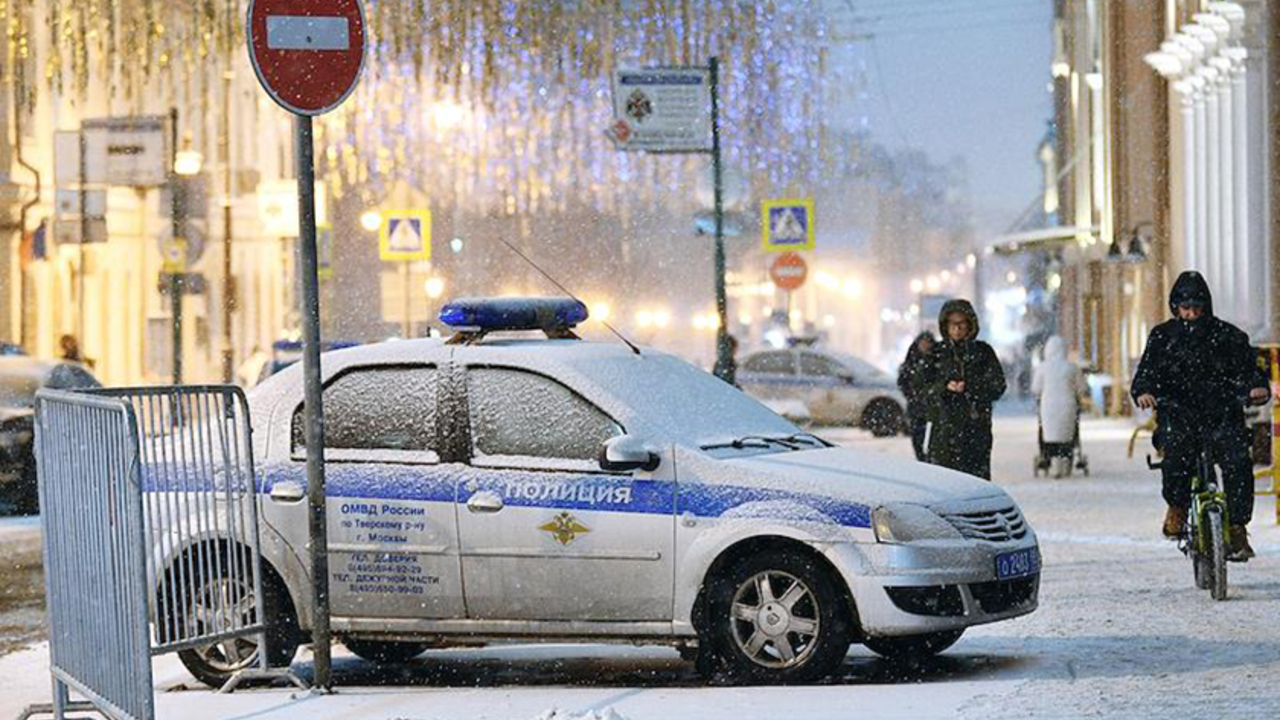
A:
(913, 647)
(776, 617)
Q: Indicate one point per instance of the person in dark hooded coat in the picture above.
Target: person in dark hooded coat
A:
(910, 376)
(961, 381)
(1198, 371)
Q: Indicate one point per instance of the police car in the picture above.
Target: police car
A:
(489, 487)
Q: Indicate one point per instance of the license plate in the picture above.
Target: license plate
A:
(1018, 563)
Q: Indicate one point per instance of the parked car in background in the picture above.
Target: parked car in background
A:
(20, 378)
(832, 388)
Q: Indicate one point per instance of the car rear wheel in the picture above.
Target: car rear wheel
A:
(385, 652)
(883, 417)
(775, 617)
(913, 647)
(229, 602)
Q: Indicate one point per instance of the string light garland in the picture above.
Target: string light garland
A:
(492, 105)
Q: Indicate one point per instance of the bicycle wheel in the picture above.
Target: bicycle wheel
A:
(1217, 553)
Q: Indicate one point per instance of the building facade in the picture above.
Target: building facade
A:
(1162, 119)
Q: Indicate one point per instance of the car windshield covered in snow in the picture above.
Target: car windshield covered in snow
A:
(695, 407)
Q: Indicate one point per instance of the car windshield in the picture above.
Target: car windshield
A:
(18, 391)
(688, 404)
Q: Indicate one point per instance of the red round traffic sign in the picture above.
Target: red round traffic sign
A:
(308, 54)
(789, 271)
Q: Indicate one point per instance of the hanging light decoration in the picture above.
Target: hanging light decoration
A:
(492, 105)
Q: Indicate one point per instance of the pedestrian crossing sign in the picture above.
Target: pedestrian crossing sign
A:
(405, 235)
(787, 224)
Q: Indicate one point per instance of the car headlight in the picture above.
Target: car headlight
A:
(903, 523)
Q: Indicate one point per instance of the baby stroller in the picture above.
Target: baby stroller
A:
(1069, 456)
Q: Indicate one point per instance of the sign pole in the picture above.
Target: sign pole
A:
(175, 280)
(724, 364)
(406, 326)
(320, 633)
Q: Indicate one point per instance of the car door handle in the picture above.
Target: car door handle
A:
(484, 502)
(287, 492)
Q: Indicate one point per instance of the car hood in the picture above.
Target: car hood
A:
(7, 414)
(865, 478)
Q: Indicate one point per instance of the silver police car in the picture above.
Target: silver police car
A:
(531, 488)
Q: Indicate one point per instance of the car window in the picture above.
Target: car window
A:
(812, 364)
(520, 413)
(771, 363)
(385, 408)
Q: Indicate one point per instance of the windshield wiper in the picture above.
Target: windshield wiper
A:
(754, 441)
(806, 436)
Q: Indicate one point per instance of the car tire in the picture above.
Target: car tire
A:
(774, 617)
(385, 652)
(27, 500)
(913, 648)
(883, 417)
(215, 664)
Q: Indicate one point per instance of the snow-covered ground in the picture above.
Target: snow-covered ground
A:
(1121, 632)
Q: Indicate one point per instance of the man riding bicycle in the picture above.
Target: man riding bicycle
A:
(1199, 368)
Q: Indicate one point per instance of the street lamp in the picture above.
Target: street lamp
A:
(434, 287)
(187, 163)
(371, 220)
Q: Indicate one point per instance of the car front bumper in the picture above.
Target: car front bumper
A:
(912, 589)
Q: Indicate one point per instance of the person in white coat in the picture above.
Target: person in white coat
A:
(1058, 384)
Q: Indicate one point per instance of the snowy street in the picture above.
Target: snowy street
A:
(1120, 632)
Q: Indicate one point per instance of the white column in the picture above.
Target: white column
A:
(1184, 200)
(1198, 260)
(1213, 176)
(1226, 266)
(1240, 165)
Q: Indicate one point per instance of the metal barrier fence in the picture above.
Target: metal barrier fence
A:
(200, 504)
(150, 512)
(94, 555)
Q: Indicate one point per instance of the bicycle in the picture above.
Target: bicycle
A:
(1206, 533)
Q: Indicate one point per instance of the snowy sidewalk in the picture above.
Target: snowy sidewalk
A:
(1121, 632)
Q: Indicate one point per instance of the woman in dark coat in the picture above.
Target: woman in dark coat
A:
(962, 379)
(910, 382)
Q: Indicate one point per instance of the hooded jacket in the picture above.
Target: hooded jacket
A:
(1058, 384)
(1199, 371)
(961, 434)
(911, 375)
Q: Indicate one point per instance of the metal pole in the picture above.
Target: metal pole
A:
(228, 282)
(406, 328)
(724, 364)
(310, 311)
(84, 237)
(175, 279)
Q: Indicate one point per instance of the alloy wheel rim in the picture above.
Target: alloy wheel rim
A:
(774, 616)
(224, 605)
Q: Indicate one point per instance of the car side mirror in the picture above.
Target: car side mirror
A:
(624, 453)
(846, 378)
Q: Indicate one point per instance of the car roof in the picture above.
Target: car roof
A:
(21, 366)
(625, 385)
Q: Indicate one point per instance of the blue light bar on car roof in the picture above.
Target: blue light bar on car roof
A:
(529, 313)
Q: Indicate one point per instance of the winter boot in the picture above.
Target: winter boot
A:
(1175, 518)
(1240, 551)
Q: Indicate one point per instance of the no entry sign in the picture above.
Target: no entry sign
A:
(308, 54)
(789, 271)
